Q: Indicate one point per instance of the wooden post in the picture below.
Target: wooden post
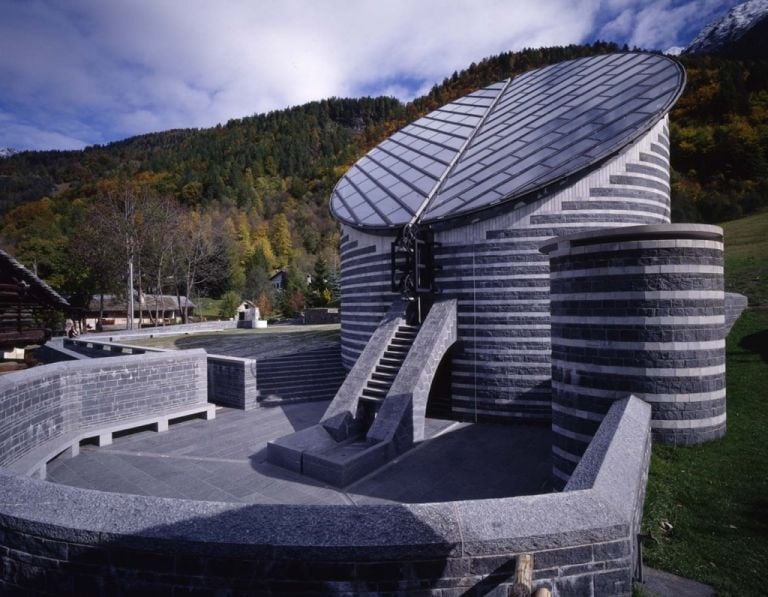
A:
(523, 576)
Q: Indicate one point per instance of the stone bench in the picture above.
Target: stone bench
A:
(34, 463)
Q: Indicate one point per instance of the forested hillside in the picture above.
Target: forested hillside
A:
(256, 189)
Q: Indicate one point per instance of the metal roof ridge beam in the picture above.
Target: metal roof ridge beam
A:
(423, 207)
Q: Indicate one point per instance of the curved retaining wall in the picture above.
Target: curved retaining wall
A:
(60, 540)
(231, 380)
(48, 409)
(638, 310)
(501, 363)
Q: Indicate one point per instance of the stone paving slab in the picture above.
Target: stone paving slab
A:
(225, 460)
(664, 584)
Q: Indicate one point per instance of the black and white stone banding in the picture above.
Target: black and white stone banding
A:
(638, 311)
(501, 365)
(577, 146)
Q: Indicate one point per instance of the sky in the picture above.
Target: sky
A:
(75, 73)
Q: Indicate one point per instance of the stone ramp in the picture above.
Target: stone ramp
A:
(734, 305)
(657, 583)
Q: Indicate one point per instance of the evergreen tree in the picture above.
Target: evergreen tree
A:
(280, 238)
(318, 287)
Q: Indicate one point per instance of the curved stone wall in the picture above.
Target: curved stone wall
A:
(54, 406)
(60, 540)
(501, 364)
(639, 310)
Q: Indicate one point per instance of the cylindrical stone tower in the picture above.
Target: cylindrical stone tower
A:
(637, 310)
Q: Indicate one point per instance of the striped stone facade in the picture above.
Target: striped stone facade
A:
(501, 365)
(637, 311)
(365, 289)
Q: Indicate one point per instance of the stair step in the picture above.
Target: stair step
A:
(395, 354)
(389, 361)
(373, 393)
(405, 335)
(299, 388)
(292, 367)
(375, 384)
(371, 399)
(382, 376)
(305, 396)
(299, 372)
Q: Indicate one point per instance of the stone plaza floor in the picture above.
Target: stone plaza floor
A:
(225, 460)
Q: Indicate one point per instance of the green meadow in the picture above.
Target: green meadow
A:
(706, 508)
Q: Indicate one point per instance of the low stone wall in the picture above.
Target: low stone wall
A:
(96, 347)
(62, 540)
(322, 315)
(231, 380)
(182, 328)
(50, 407)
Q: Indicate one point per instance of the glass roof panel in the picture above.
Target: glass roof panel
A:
(509, 139)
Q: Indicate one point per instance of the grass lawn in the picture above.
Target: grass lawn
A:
(251, 343)
(746, 257)
(706, 507)
(207, 307)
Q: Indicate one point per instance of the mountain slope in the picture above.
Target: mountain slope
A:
(204, 165)
(267, 178)
(741, 33)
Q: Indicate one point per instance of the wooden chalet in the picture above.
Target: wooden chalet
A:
(25, 303)
(149, 310)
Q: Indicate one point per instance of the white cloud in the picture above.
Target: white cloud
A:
(660, 24)
(24, 134)
(620, 26)
(126, 67)
(130, 66)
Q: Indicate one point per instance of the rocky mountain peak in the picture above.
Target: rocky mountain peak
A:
(741, 32)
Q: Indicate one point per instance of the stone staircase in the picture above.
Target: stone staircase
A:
(300, 377)
(385, 372)
(379, 411)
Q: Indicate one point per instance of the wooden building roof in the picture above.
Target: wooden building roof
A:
(23, 298)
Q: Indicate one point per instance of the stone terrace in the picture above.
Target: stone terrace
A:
(225, 460)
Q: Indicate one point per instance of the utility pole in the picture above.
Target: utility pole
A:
(130, 295)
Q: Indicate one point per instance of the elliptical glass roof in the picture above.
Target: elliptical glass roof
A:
(508, 140)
